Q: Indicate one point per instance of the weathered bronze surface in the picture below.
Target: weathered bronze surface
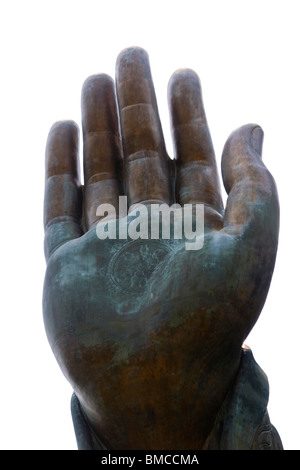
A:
(148, 333)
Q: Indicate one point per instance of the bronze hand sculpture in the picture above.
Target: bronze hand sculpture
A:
(148, 333)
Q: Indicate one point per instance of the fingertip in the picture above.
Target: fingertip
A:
(64, 126)
(186, 105)
(131, 54)
(257, 138)
(62, 149)
(98, 104)
(96, 81)
(181, 79)
(244, 131)
(183, 74)
(61, 134)
(249, 135)
(131, 61)
(244, 144)
(95, 89)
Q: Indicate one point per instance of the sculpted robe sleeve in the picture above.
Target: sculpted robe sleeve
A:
(243, 422)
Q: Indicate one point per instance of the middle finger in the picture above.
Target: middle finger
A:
(146, 176)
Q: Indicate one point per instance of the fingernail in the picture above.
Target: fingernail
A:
(257, 137)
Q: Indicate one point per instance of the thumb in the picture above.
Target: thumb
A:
(242, 155)
(252, 193)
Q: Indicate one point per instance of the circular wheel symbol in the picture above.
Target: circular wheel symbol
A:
(134, 264)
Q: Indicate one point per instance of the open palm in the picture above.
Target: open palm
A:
(149, 333)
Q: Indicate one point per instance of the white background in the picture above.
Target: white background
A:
(247, 56)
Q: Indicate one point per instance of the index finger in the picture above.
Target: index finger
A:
(197, 176)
